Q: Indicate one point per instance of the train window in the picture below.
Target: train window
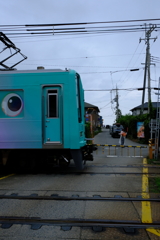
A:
(52, 104)
(78, 98)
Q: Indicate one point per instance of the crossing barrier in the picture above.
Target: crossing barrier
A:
(121, 150)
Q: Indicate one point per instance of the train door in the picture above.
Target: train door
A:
(52, 111)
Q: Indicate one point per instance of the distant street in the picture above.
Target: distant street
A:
(105, 138)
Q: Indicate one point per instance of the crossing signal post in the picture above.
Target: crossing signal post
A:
(151, 148)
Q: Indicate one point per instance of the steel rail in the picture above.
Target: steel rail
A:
(124, 166)
(9, 221)
(102, 173)
(78, 198)
(59, 172)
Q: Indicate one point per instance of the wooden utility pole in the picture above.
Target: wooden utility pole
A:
(147, 65)
(117, 105)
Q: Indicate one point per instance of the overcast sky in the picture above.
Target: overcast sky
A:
(103, 60)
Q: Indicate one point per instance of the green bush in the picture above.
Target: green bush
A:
(88, 133)
(130, 123)
(98, 130)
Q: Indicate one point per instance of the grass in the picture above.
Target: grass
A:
(154, 185)
(153, 161)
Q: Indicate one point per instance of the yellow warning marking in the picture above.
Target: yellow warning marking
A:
(154, 231)
(7, 176)
(146, 206)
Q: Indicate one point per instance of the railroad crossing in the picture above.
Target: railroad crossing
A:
(109, 199)
(121, 150)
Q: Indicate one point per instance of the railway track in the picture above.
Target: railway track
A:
(66, 224)
(86, 171)
(106, 173)
(101, 173)
(56, 197)
(96, 224)
(77, 205)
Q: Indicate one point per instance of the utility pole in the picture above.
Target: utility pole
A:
(147, 65)
(117, 105)
(149, 82)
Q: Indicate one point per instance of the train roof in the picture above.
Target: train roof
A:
(34, 71)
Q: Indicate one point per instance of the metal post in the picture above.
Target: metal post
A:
(102, 149)
(109, 150)
(157, 124)
(144, 83)
(149, 83)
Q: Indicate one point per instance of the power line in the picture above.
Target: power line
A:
(114, 89)
(83, 23)
(80, 29)
(86, 57)
(82, 66)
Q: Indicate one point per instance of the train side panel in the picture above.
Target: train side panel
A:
(26, 127)
(43, 110)
(20, 125)
(76, 114)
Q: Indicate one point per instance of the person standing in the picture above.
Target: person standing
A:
(123, 134)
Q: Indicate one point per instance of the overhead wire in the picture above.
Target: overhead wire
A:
(124, 81)
(130, 62)
(80, 32)
(113, 89)
(83, 23)
(16, 31)
(122, 75)
(69, 28)
(86, 57)
(73, 66)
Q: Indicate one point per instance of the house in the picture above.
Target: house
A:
(92, 116)
(137, 110)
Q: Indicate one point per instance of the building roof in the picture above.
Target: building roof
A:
(88, 105)
(145, 106)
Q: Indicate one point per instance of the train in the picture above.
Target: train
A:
(42, 119)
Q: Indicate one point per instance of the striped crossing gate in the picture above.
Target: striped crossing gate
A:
(121, 150)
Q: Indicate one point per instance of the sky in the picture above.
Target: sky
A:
(103, 60)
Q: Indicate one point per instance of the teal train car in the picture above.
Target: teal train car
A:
(42, 119)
